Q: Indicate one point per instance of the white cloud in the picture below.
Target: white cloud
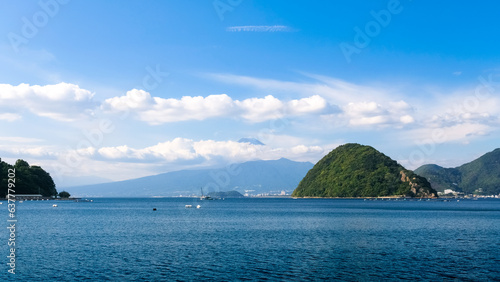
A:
(333, 92)
(458, 116)
(13, 139)
(202, 152)
(302, 149)
(372, 113)
(156, 110)
(133, 99)
(10, 117)
(456, 133)
(259, 28)
(313, 104)
(406, 119)
(261, 109)
(63, 101)
(29, 151)
(361, 105)
(181, 149)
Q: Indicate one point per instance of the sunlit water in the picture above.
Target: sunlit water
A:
(256, 239)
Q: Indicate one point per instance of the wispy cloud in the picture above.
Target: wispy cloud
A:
(259, 28)
(10, 117)
(359, 105)
(20, 140)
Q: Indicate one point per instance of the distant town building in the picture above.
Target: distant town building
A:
(448, 191)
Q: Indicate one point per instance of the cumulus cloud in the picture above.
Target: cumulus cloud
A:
(461, 108)
(337, 101)
(63, 101)
(313, 104)
(372, 113)
(29, 151)
(156, 110)
(261, 109)
(182, 150)
(455, 133)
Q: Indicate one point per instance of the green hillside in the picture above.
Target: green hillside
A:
(28, 179)
(440, 178)
(354, 170)
(480, 176)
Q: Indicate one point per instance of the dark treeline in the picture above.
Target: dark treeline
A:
(28, 179)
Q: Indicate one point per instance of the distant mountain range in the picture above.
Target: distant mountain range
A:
(258, 176)
(479, 176)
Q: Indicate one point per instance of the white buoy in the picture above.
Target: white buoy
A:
(198, 206)
(54, 205)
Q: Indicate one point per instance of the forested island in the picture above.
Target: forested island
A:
(226, 194)
(354, 170)
(28, 179)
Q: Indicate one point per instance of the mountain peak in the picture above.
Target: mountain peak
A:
(252, 141)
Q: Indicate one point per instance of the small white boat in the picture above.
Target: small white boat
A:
(198, 206)
(54, 205)
(189, 206)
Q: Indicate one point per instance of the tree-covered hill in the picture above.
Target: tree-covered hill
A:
(480, 176)
(28, 179)
(354, 170)
(226, 194)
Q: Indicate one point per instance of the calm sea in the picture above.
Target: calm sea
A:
(255, 239)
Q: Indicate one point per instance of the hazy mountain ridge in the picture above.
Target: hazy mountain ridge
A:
(261, 176)
(482, 173)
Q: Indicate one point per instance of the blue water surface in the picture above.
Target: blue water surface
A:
(255, 239)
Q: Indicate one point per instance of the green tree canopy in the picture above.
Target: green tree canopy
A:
(354, 170)
(64, 194)
(28, 179)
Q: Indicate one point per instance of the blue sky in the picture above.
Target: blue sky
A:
(124, 89)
